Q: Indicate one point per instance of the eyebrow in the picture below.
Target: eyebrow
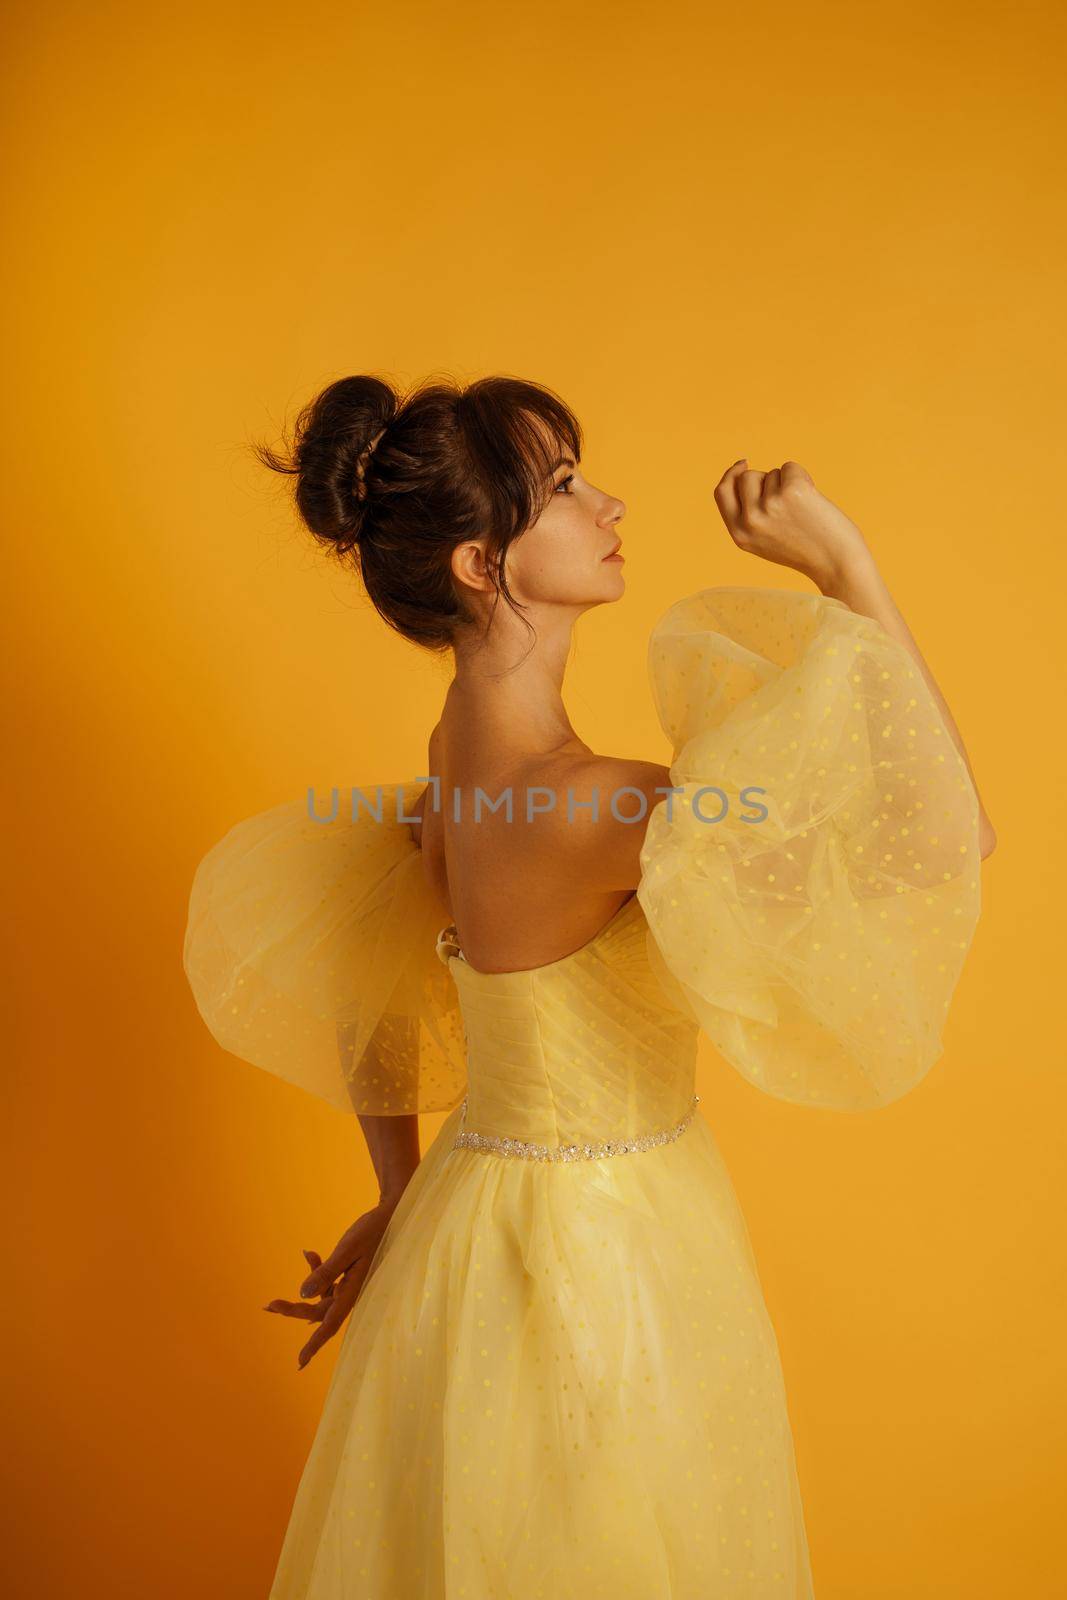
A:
(564, 461)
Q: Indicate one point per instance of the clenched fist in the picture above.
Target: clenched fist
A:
(781, 516)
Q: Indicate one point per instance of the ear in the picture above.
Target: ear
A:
(469, 566)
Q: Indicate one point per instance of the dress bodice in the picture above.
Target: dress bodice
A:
(806, 898)
(591, 1047)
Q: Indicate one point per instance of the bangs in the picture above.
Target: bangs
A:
(516, 432)
(537, 429)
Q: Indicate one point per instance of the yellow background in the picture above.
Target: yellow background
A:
(827, 232)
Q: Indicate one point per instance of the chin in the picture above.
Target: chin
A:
(612, 586)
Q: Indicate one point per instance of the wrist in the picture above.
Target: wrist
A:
(391, 1191)
(851, 576)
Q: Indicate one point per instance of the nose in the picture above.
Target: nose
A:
(614, 510)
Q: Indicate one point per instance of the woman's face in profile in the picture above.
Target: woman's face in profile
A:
(568, 556)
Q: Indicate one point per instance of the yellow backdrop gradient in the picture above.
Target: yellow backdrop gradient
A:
(825, 232)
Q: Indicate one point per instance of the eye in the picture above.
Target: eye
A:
(563, 482)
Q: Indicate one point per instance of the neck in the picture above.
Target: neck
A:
(507, 694)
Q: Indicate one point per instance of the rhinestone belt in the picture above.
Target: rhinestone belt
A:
(466, 1140)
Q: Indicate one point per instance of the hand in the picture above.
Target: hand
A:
(337, 1280)
(780, 516)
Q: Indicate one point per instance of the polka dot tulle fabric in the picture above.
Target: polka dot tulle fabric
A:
(819, 945)
(310, 951)
(560, 1379)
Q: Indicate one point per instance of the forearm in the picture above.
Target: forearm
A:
(859, 584)
(393, 1143)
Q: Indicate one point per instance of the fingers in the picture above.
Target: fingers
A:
(300, 1308)
(297, 1308)
(737, 495)
(335, 1282)
(337, 1310)
(314, 1261)
(772, 485)
(744, 495)
(749, 488)
(793, 472)
(726, 492)
(348, 1249)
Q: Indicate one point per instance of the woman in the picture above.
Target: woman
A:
(558, 1376)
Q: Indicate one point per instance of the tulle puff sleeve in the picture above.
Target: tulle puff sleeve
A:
(310, 951)
(817, 931)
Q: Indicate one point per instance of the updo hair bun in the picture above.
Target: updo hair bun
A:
(331, 457)
(395, 483)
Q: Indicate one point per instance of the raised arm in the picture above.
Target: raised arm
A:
(860, 586)
(781, 516)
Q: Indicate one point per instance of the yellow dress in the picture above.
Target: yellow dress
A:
(560, 1378)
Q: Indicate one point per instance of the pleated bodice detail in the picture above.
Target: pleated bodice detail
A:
(586, 1049)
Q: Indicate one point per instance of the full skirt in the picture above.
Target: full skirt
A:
(559, 1382)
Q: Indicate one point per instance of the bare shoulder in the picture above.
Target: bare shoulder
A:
(601, 812)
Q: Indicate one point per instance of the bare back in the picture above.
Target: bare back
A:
(526, 891)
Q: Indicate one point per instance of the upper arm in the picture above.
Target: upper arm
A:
(419, 807)
(603, 804)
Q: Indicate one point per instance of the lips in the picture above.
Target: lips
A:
(613, 553)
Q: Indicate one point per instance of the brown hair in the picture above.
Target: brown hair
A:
(393, 483)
